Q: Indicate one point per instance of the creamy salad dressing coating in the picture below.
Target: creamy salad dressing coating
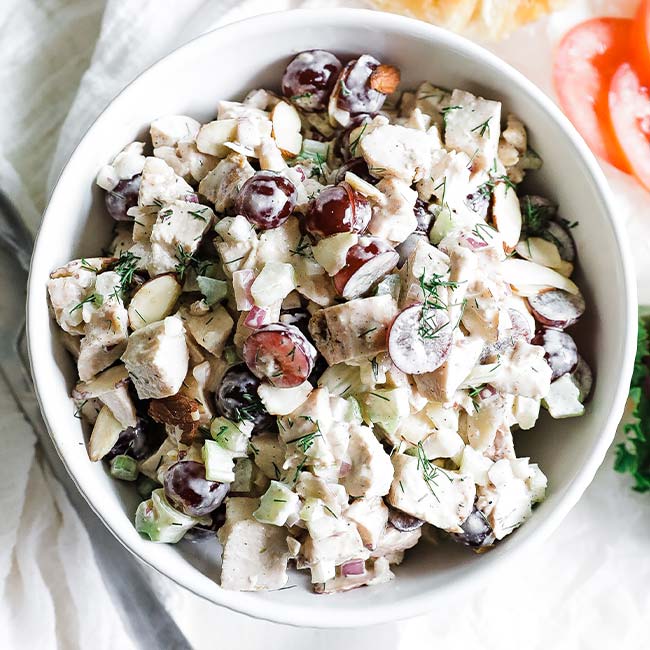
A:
(322, 319)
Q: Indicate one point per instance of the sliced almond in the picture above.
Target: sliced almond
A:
(105, 382)
(507, 214)
(286, 129)
(104, 435)
(540, 251)
(111, 388)
(179, 411)
(385, 79)
(212, 136)
(521, 273)
(364, 187)
(153, 301)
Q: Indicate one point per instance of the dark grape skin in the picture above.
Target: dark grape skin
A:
(236, 399)
(560, 350)
(122, 198)
(355, 94)
(357, 166)
(403, 521)
(477, 532)
(203, 533)
(138, 441)
(338, 208)
(267, 199)
(188, 490)
(309, 78)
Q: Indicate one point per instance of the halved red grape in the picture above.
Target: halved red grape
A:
(419, 339)
(557, 308)
(122, 198)
(188, 490)
(133, 441)
(309, 78)
(477, 531)
(560, 235)
(281, 354)
(403, 521)
(354, 92)
(338, 208)
(357, 166)
(237, 399)
(584, 377)
(206, 532)
(366, 263)
(267, 199)
(561, 351)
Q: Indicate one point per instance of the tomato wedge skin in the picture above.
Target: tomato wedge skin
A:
(585, 61)
(629, 108)
(641, 41)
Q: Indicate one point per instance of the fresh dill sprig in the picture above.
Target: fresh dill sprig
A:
(483, 128)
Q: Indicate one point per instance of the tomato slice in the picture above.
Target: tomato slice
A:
(585, 61)
(629, 108)
(641, 41)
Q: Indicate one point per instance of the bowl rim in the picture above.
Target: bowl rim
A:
(312, 615)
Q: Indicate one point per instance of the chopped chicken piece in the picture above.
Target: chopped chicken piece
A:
(473, 126)
(255, 555)
(393, 150)
(157, 358)
(424, 490)
(371, 473)
(370, 515)
(176, 234)
(160, 183)
(352, 330)
(222, 184)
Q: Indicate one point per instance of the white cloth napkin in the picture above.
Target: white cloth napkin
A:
(586, 589)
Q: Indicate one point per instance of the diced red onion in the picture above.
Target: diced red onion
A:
(256, 317)
(345, 468)
(353, 568)
(475, 244)
(487, 391)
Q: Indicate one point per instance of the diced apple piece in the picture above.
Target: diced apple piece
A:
(331, 252)
(153, 301)
(286, 129)
(212, 137)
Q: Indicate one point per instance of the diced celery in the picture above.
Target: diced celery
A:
(219, 462)
(341, 379)
(214, 291)
(243, 476)
(157, 519)
(386, 407)
(277, 505)
(231, 435)
(231, 355)
(124, 468)
(314, 148)
(442, 226)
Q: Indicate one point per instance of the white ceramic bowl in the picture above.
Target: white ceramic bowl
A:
(224, 64)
